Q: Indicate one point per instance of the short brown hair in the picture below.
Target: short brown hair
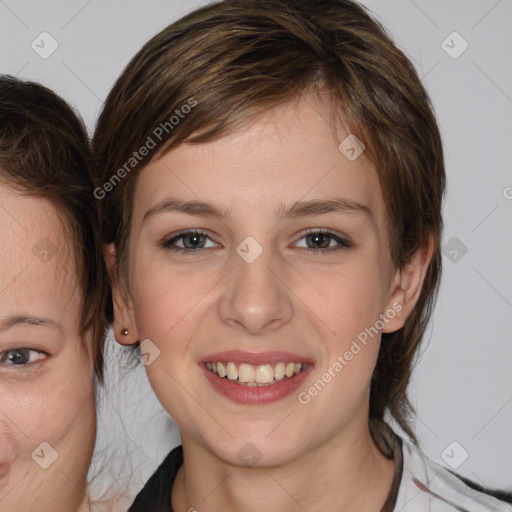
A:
(45, 152)
(237, 58)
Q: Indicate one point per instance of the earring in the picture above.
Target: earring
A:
(124, 332)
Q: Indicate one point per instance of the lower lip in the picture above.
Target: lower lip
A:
(256, 394)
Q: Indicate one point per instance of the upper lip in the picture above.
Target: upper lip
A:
(255, 358)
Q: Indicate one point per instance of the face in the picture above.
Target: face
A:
(256, 334)
(47, 418)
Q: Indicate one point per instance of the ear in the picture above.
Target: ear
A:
(124, 317)
(406, 287)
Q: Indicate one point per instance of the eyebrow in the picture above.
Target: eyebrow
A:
(27, 320)
(295, 210)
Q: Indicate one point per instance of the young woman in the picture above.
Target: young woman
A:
(270, 177)
(51, 302)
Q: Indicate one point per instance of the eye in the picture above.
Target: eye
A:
(323, 240)
(21, 356)
(191, 241)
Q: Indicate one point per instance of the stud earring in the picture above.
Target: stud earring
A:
(124, 332)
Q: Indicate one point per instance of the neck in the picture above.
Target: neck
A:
(348, 472)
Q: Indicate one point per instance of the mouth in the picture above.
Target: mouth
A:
(255, 378)
(251, 375)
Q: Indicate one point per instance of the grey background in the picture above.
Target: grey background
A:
(462, 386)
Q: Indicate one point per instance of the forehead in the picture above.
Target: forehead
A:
(38, 273)
(288, 153)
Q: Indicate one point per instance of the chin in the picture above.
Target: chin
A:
(255, 451)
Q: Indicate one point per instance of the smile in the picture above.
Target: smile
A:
(256, 378)
(255, 375)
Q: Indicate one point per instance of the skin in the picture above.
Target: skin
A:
(193, 305)
(51, 398)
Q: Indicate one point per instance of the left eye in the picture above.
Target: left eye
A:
(20, 356)
(323, 239)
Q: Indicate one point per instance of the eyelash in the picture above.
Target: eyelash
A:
(3, 356)
(343, 244)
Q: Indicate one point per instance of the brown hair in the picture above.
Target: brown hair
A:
(44, 152)
(234, 59)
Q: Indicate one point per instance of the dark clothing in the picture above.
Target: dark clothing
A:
(155, 496)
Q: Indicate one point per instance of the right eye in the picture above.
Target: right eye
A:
(21, 356)
(191, 241)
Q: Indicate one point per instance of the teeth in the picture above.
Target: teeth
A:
(261, 375)
(232, 371)
(221, 370)
(264, 374)
(246, 373)
(279, 371)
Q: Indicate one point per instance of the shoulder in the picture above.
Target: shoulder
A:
(156, 493)
(426, 485)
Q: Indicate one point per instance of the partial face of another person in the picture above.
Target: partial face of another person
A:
(276, 289)
(47, 416)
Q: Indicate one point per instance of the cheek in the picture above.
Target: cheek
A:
(55, 410)
(346, 299)
(347, 303)
(70, 399)
(50, 408)
(166, 299)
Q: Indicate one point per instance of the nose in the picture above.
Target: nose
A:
(256, 297)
